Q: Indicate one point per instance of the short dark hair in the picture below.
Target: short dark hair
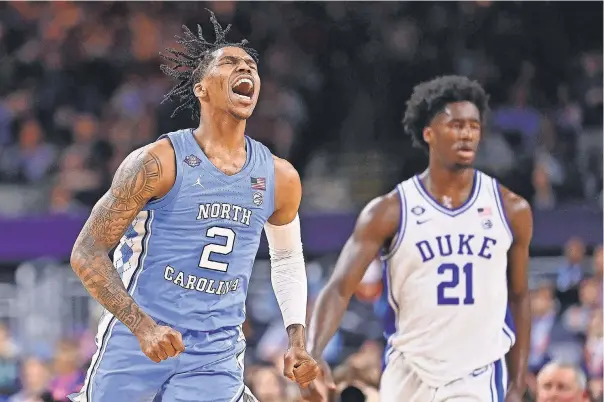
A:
(190, 65)
(430, 98)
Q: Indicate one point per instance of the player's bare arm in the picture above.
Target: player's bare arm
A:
(375, 227)
(288, 273)
(145, 174)
(520, 218)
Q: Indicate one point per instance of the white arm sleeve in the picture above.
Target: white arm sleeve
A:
(288, 273)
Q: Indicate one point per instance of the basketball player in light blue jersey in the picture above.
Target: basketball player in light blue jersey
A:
(186, 214)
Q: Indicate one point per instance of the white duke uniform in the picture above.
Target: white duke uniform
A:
(446, 278)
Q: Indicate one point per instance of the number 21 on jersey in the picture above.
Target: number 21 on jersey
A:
(453, 271)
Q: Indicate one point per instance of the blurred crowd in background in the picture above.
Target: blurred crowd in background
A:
(80, 88)
(80, 93)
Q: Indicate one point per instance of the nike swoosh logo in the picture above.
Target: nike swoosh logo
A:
(422, 222)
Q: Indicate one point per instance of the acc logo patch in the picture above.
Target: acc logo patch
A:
(258, 198)
(418, 210)
(192, 160)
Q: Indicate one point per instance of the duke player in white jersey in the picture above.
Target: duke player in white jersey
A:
(175, 300)
(455, 248)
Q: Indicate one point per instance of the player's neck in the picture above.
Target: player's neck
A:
(444, 180)
(217, 127)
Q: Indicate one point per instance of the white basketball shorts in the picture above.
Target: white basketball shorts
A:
(400, 383)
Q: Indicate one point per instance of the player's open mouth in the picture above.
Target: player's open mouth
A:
(243, 88)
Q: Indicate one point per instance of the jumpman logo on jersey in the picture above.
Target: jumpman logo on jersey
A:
(198, 183)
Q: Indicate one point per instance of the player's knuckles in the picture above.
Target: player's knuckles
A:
(176, 341)
(177, 337)
(305, 378)
(165, 342)
(305, 375)
(170, 351)
(162, 355)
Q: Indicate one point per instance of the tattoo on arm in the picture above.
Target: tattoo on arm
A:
(296, 335)
(135, 182)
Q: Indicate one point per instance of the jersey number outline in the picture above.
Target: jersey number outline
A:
(222, 249)
(454, 282)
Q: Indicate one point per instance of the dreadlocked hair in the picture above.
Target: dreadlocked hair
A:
(190, 65)
(430, 98)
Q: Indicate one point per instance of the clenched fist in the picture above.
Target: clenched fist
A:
(159, 342)
(300, 366)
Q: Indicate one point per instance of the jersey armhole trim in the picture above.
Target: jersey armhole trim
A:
(398, 238)
(501, 209)
(273, 183)
(170, 195)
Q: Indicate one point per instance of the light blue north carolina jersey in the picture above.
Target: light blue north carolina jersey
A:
(187, 257)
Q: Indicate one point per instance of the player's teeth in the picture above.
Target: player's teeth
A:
(242, 80)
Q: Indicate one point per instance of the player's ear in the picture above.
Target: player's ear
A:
(428, 134)
(200, 91)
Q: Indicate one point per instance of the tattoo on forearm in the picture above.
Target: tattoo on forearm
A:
(295, 333)
(133, 185)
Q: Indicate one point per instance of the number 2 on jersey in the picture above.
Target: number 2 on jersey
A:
(454, 282)
(223, 249)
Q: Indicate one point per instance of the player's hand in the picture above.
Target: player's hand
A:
(159, 342)
(299, 366)
(322, 388)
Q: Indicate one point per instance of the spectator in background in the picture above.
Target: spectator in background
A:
(594, 354)
(549, 338)
(544, 318)
(518, 115)
(268, 385)
(544, 197)
(360, 374)
(62, 202)
(34, 379)
(31, 159)
(577, 317)
(571, 273)
(77, 178)
(561, 382)
(598, 272)
(9, 364)
(589, 87)
(68, 375)
(84, 130)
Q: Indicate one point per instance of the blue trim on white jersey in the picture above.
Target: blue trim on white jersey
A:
(448, 211)
(499, 379)
(389, 315)
(392, 308)
(391, 300)
(509, 328)
(501, 209)
(400, 234)
(499, 386)
(492, 384)
(130, 289)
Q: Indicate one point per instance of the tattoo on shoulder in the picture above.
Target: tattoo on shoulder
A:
(134, 182)
(133, 185)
